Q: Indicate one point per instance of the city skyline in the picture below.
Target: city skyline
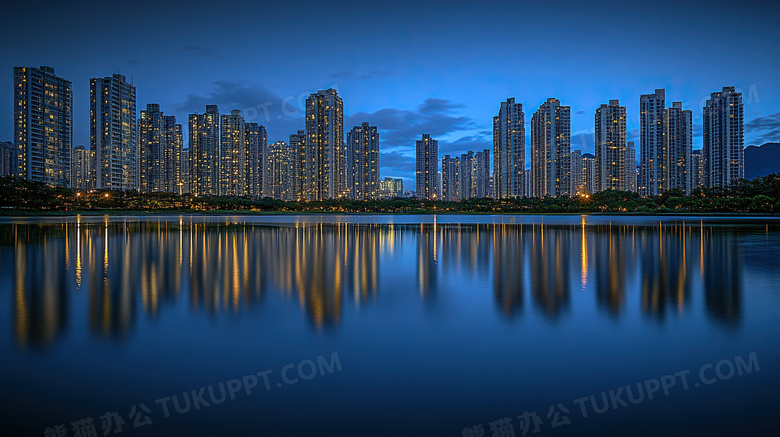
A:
(228, 152)
(183, 70)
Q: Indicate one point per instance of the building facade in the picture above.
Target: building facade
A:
(697, 169)
(550, 149)
(204, 152)
(232, 155)
(723, 138)
(678, 143)
(610, 145)
(482, 179)
(113, 132)
(363, 161)
(589, 173)
(82, 172)
(427, 171)
(450, 178)
(43, 125)
(325, 168)
(278, 174)
(652, 152)
(256, 142)
(632, 176)
(159, 151)
(509, 150)
(576, 171)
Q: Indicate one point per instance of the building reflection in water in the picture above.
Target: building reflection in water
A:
(130, 269)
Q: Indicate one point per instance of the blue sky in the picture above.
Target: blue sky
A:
(410, 67)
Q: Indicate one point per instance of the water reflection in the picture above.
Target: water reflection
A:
(133, 269)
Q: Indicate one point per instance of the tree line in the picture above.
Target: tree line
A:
(760, 195)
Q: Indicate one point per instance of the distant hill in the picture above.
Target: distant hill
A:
(761, 161)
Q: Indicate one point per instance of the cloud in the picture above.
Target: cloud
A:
(764, 129)
(401, 128)
(396, 161)
(348, 74)
(477, 143)
(280, 115)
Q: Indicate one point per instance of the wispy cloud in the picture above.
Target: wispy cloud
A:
(765, 129)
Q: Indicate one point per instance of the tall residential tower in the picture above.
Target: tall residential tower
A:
(43, 125)
(113, 133)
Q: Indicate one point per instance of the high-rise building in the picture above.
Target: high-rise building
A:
(653, 157)
(482, 174)
(363, 161)
(325, 167)
(204, 152)
(8, 159)
(113, 132)
(678, 143)
(509, 150)
(450, 178)
(82, 174)
(43, 125)
(256, 142)
(277, 175)
(186, 171)
(427, 168)
(632, 177)
(610, 144)
(550, 148)
(528, 187)
(232, 155)
(390, 188)
(467, 170)
(697, 169)
(297, 152)
(576, 171)
(159, 151)
(723, 146)
(589, 173)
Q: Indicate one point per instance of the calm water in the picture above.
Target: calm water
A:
(389, 325)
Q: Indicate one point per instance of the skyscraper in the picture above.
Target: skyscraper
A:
(297, 152)
(8, 159)
(697, 169)
(576, 171)
(550, 148)
(509, 150)
(277, 175)
(82, 175)
(450, 174)
(632, 176)
(159, 151)
(482, 174)
(204, 152)
(427, 168)
(678, 143)
(232, 155)
(186, 171)
(363, 161)
(390, 188)
(610, 144)
(723, 146)
(467, 170)
(113, 133)
(256, 141)
(43, 125)
(589, 173)
(325, 169)
(652, 151)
